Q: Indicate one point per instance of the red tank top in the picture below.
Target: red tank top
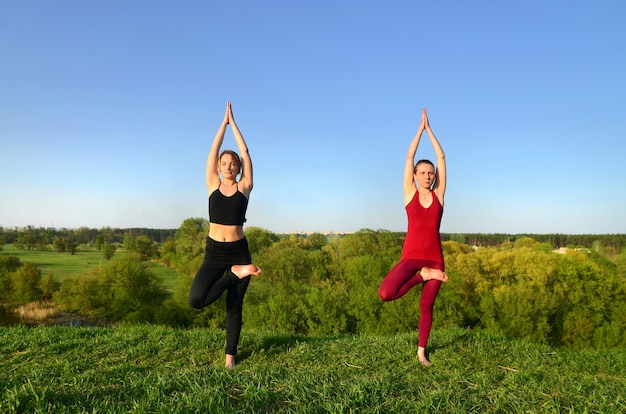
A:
(422, 238)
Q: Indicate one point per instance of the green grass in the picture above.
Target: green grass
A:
(63, 265)
(168, 275)
(59, 265)
(150, 369)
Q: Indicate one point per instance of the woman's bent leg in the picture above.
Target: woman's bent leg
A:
(208, 285)
(400, 279)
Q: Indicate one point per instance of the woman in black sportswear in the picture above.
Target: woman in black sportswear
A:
(227, 264)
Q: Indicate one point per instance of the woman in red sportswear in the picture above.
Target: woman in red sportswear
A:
(422, 255)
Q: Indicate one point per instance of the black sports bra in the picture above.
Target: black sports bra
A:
(227, 210)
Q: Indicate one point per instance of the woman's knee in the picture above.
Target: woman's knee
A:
(385, 294)
(195, 301)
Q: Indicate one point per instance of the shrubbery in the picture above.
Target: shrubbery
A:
(316, 285)
(521, 289)
(122, 290)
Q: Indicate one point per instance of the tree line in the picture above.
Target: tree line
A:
(41, 238)
(67, 240)
(321, 285)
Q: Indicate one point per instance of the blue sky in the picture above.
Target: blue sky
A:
(108, 110)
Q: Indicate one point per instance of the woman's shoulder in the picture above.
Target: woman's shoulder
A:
(213, 187)
(439, 196)
(245, 187)
(409, 195)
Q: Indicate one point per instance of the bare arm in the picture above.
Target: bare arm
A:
(440, 183)
(245, 181)
(212, 163)
(409, 167)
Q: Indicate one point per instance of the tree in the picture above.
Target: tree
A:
(29, 239)
(285, 260)
(48, 287)
(8, 265)
(259, 239)
(168, 251)
(65, 244)
(108, 250)
(190, 244)
(25, 284)
(122, 290)
(142, 245)
(99, 241)
(135, 290)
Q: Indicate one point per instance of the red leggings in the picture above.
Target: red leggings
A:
(403, 277)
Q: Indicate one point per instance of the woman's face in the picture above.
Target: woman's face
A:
(424, 175)
(229, 167)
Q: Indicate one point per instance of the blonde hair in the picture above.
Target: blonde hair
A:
(235, 157)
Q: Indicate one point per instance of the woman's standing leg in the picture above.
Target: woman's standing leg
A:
(234, 319)
(430, 290)
(235, 296)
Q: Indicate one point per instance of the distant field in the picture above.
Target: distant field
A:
(63, 265)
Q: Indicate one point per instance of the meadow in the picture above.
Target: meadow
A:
(64, 265)
(143, 368)
(148, 369)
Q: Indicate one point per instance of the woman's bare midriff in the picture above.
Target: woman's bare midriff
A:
(225, 233)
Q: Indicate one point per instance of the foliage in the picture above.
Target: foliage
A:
(108, 250)
(59, 265)
(48, 287)
(143, 246)
(316, 286)
(259, 239)
(122, 290)
(65, 244)
(20, 283)
(526, 292)
(608, 244)
(32, 237)
(319, 285)
(25, 284)
(9, 263)
(189, 242)
(293, 258)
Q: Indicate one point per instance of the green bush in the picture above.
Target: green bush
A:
(318, 285)
(122, 290)
(25, 284)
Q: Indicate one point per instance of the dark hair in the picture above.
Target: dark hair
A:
(429, 162)
(235, 157)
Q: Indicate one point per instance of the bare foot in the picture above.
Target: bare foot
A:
(436, 274)
(242, 271)
(421, 355)
(230, 361)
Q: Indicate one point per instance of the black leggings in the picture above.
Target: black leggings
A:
(214, 277)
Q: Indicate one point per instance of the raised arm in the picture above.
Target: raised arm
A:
(245, 181)
(409, 165)
(440, 181)
(212, 163)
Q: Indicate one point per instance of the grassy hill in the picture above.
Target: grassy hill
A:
(143, 369)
